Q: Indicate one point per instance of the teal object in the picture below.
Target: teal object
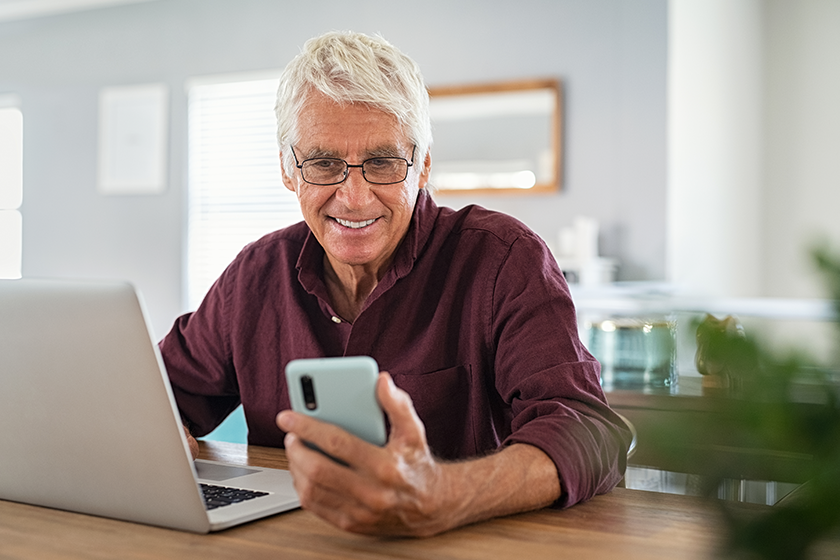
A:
(232, 430)
(341, 391)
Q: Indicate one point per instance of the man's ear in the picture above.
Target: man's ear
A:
(287, 181)
(426, 171)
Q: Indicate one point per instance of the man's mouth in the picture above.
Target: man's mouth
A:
(354, 225)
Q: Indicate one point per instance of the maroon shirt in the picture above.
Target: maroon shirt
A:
(473, 319)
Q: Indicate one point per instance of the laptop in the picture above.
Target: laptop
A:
(88, 422)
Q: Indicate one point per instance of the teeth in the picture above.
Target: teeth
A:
(354, 225)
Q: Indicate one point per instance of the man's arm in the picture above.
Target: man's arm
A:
(401, 489)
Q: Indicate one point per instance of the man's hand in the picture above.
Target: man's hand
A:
(192, 443)
(400, 489)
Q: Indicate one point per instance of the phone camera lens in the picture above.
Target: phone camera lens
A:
(308, 392)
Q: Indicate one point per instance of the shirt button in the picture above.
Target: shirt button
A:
(335, 319)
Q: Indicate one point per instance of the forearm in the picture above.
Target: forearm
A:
(519, 478)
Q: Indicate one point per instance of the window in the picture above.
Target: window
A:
(11, 187)
(236, 193)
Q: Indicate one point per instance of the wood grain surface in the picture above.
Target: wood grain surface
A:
(624, 524)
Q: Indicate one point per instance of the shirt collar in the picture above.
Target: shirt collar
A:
(419, 231)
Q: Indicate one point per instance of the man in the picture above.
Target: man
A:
(493, 403)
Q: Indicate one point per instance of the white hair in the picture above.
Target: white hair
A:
(352, 67)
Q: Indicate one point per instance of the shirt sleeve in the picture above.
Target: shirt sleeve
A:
(549, 379)
(197, 356)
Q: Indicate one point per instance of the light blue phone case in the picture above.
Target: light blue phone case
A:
(344, 391)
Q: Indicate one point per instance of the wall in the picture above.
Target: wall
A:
(802, 142)
(611, 55)
(714, 141)
(754, 138)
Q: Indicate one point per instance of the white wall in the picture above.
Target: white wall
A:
(714, 140)
(802, 143)
(754, 144)
(611, 55)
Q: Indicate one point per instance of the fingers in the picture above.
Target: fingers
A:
(192, 443)
(330, 439)
(339, 494)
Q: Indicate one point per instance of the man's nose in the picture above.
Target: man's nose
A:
(354, 191)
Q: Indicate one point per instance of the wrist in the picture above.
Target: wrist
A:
(516, 479)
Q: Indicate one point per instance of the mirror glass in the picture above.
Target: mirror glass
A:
(502, 137)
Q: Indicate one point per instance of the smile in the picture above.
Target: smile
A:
(354, 225)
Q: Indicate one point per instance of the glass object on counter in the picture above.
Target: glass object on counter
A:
(635, 352)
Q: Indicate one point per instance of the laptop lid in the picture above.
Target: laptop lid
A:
(88, 422)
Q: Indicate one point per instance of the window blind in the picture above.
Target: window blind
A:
(236, 193)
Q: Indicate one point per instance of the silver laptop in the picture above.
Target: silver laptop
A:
(88, 422)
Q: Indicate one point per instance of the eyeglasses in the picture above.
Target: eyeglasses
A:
(332, 171)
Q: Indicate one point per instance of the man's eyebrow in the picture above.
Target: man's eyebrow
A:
(385, 151)
(320, 153)
(379, 151)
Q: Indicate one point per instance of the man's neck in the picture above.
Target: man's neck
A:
(349, 286)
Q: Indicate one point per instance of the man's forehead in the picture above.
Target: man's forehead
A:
(331, 127)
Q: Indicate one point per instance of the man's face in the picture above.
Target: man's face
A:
(356, 222)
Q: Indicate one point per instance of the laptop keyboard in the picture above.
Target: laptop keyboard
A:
(220, 496)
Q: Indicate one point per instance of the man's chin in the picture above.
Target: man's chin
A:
(353, 257)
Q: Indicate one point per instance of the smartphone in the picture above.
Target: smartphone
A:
(341, 391)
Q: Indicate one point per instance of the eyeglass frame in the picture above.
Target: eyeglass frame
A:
(347, 167)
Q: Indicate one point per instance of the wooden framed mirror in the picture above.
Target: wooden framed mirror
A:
(497, 138)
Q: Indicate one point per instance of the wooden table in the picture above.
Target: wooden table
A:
(623, 524)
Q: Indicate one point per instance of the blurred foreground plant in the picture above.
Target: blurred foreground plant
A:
(788, 406)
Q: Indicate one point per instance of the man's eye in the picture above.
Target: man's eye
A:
(379, 163)
(324, 164)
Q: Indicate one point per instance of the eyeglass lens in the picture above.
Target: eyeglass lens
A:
(327, 171)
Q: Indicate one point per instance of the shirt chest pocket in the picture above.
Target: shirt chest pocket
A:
(445, 402)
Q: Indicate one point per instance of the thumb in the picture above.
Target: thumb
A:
(406, 426)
